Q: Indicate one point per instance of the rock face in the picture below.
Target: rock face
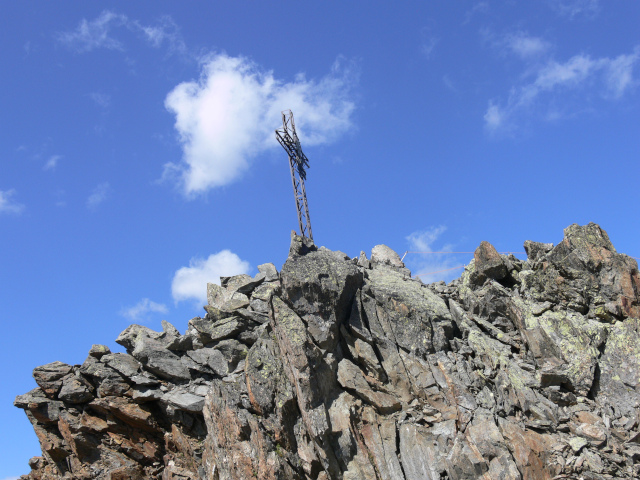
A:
(342, 368)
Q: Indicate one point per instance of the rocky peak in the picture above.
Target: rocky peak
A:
(339, 368)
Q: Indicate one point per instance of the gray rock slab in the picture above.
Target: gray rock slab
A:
(160, 361)
(123, 363)
(74, 391)
(185, 401)
(270, 272)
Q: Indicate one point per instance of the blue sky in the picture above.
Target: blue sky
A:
(139, 160)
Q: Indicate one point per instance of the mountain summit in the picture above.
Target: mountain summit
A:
(341, 368)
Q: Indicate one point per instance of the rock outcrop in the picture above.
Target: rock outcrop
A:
(340, 368)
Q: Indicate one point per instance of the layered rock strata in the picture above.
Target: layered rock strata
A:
(340, 368)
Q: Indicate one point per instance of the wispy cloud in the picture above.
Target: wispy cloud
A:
(99, 33)
(143, 309)
(93, 34)
(228, 116)
(612, 78)
(576, 8)
(479, 7)
(10, 478)
(519, 43)
(164, 32)
(431, 267)
(190, 283)
(100, 99)
(429, 41)
(52, 163)
(98, 195)
(8, 205)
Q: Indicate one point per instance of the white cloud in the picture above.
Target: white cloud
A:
(166, 31)
(431, 267)
(52, 163)
(493, 117)
(191, 282)
(97, 33)
(615, 76)
(98, 195)
(576, 8)
(229, 115)
(11, 478)
(619, 75)
(480, 7)
(8, 205)
(142, 310)
(525, 45)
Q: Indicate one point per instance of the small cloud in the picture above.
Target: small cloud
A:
(8, 205)
(100, 99)
(90, 35)
(426, 264)
(10, 478)
(494, 117)
(190, 283)
(619, 74)
(429, 41)
(143, 309)
(98, 33)
(166, 31)
(576, 8)
(449, 83)
(525, 45)
(229, 115)
(52, 163)
(98, 195)
(480, 7)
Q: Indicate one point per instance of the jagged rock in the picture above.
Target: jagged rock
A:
(185, 401)
(363, 261)
(40, 406)
(160, 361)
(242, 283)
(300, 245)
(351, 378)
(348, 369)
(212, 358)
(536, 250)
(384, 255)
(74, 391)
(225, 300)
(49, 377)
(488, 263)
(226, 328)
(270, 272)
(123, 363)
(320, 286)
(98, 351)
(407, 313)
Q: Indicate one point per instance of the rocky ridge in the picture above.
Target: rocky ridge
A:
(340, 368)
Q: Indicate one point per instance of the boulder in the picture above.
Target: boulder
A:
(488, 263)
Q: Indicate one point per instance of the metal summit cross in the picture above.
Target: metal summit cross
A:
(298, 161)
